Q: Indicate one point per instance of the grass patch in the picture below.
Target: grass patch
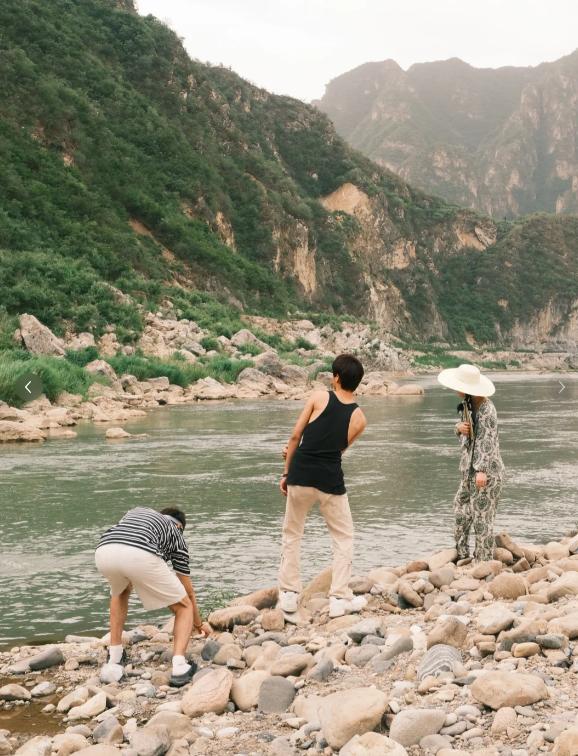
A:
(176, 370)
(57, 375)
(302, 343)
(82, 357)
(251, 349)
(437, 358)
(210, 343)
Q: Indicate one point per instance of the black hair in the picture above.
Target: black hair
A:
(349, 369)
(178, 514)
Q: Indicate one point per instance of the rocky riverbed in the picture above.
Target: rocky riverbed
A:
(446, 659)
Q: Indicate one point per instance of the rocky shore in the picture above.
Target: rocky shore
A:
(447, 659)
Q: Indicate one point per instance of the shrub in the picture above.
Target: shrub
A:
(249, 348)
(302, 343)
(82, 357)
(210, 343)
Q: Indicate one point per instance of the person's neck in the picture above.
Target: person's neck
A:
(478, 400)
(344, 395)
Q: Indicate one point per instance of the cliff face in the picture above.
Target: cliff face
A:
(132, 170)
(503, 141)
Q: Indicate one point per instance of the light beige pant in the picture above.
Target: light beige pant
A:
(337, 515)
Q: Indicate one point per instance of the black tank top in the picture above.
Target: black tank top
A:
(317, 459)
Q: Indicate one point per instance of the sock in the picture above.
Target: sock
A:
(115, 654)
(180, 665)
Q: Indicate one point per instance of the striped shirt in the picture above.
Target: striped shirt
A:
(154, 532)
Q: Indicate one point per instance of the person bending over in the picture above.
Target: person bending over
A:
(134, 554)
(329, 424)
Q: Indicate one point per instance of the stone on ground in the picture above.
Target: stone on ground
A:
(566, 744)
(245, 689)
(210, 693)
(411, 725)
(495, 618)
(507, 586)
(450, 631)
(499, 689)
(276, 695)
(372, 744)
(14, 692)
(350, 712)
(226, 619)
(151, 741)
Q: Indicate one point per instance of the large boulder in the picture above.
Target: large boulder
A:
(263, 598)
(13, 431)
(411, 725)
(351, 712)
(100, 367)
(508, 586)
(38, 338)
(565, 585)
(498, 689)
(441, 558)
(245, 337)
(210, 693)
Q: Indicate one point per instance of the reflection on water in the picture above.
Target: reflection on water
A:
(220, 463)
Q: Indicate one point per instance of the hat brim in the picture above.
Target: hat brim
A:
(450, 379)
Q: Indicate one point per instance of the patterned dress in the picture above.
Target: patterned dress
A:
(476, 507)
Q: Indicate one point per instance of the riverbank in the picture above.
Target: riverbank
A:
(176, 362)
(446, 658)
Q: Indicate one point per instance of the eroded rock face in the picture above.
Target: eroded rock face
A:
(38, 338)
(498, 689)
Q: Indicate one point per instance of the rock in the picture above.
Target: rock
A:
(360, 655)
(151, 740)
(411, 725)
(100, 367)
(565, 585)
(450, 631)
(38, 339)
(50, 657)
(276, 694)
(75, 698)
(400, 646)
(272, 619)
(44, 688)
(443, 576)
(244, 337)
(108, 731)
(41, 745)
(442, 558)
(504, 719)
(350, 712)
(495, 618)
(504, 556)
(383, 576)
(290, 664)
(111, 673)
(408, 594)
(104, 750)
(322, 670)
(227, 652)
(507, 586)
(438, 660)
(485, 569)
(504, 541)
(372, 744)
(178, 725)
(369, 626)
(68, 742)
(94, 706)
(114, 433)
(210, 693)
(555, 550)
(320, 584)
(407, 389)
(14, 431)
(245, 689)
(14, 692)
(551, 641)
(227, 618)
(524, 650)
(499, 689)
(566, 744)
(566, 625)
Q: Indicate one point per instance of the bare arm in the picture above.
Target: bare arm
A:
(198, 623)
(357, 425)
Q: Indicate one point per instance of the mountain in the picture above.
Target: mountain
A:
(503, 141)
(132, 175)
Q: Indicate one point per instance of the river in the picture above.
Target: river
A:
(220, 463)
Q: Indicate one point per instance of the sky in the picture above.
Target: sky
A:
(295, 47)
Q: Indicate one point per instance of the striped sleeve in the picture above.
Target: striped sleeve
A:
(180, 555)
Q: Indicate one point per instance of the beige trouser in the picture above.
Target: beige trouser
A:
(337, 515)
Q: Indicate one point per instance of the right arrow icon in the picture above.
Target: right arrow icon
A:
(563, 387)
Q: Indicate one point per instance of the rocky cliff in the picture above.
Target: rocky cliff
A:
(133, 175)
(503, 141)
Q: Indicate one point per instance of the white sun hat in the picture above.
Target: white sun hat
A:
(468, 380)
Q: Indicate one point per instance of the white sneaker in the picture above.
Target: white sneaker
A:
(288, 601)
(337, 607)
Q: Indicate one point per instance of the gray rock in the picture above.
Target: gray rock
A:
(210, 650)
(44, 688)
(439, 659)
(374, 640)
(281, 747)
(151, 741)
(360, 655)
(550, 640)
(276, 695)
(14, 692)
(366, 627)
(279, 638)
(401, 646)
(379, 665)
(50, 657)
(41, 745)
(434, 743)
(411, 725)
(455, 729)
(321, 671)
(108, 731)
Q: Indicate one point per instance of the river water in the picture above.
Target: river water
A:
(220, 463)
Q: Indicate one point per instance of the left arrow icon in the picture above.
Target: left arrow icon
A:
(27, 387)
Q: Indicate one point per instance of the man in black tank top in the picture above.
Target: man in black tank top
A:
(329, 424)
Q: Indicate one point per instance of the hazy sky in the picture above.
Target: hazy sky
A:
(296, 46)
